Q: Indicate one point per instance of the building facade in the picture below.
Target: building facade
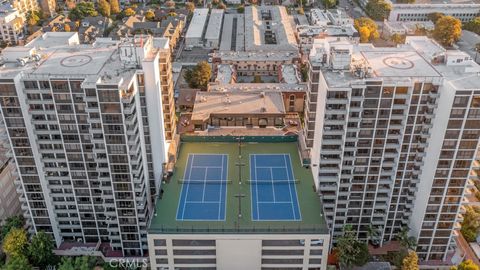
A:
(11, 24)
(81, 128)
(9, 198)
(462, 10)
(385, 156)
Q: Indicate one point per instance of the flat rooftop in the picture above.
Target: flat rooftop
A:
(197, 24)
(241, 103)
(269, 28)
(256, 56)
(329, 30)
(233, 33)
(312, 220)
(397, 64)
(441, 2)
(258, 87)
(214, 24)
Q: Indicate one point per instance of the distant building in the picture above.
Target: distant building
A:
(406, 28)
(48, 7)
(212, 35)
(321, 17)
(9, 198)
(194, 35)
(11, 24)
(308, 33)
(258, 42)
(465, 10)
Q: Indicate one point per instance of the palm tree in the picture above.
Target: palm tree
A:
(373, 235)
(408, 242)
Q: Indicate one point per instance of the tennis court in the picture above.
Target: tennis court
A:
(204, 188)
(274, 194)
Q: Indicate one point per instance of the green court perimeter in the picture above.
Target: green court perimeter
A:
(309, 202)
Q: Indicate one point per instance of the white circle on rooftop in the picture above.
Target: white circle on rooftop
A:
(76, 60)
(398, 62)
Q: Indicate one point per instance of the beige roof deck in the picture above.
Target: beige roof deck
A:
(207, 103)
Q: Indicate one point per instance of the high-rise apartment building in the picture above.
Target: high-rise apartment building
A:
(87, 130)
(9, 199)
(393, 133)
(11, 24)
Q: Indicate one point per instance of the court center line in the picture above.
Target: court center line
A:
(204, 184)
(256, 186)
(209, 167)
(289, 187)
(273, 186)
(188, 185)
(200, 202)
(221, 188)
(273, 167)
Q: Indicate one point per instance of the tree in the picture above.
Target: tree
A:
(221, 5)
(372, 32)
(104, 8)
(150, 15)
(301, 11)
(378, 10)
(190, 6)
(15, 243)
(129, 12)
(199, 76)
(170, 4)
(241, 9)
(447, 30)
(327, 4)
(32, 18)
(41, 249)
(79, 263)
(82, 10)
(350, 251)
(473, 25)
(373, 235)
(67, 28)
(407, 242)
(434, 16)
(10, 223)
(364, 33)
(410, 262)
(17, 262)
(114, 7)
(470, 223)
(466, 265)
(397, 38)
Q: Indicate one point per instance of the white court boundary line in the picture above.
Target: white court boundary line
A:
(253, 172)
(219, 202)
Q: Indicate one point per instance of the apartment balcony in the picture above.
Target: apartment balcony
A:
(128, 109)
(324, 187)
(332, 142)
(132, 130)
(334, 121)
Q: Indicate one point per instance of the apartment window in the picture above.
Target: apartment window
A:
(30, 84)
(460, 101)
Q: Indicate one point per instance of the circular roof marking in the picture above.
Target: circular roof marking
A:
(398, 62)
(76, 60)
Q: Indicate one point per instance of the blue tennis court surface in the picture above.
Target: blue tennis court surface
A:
(204, 188)
(274, 195)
